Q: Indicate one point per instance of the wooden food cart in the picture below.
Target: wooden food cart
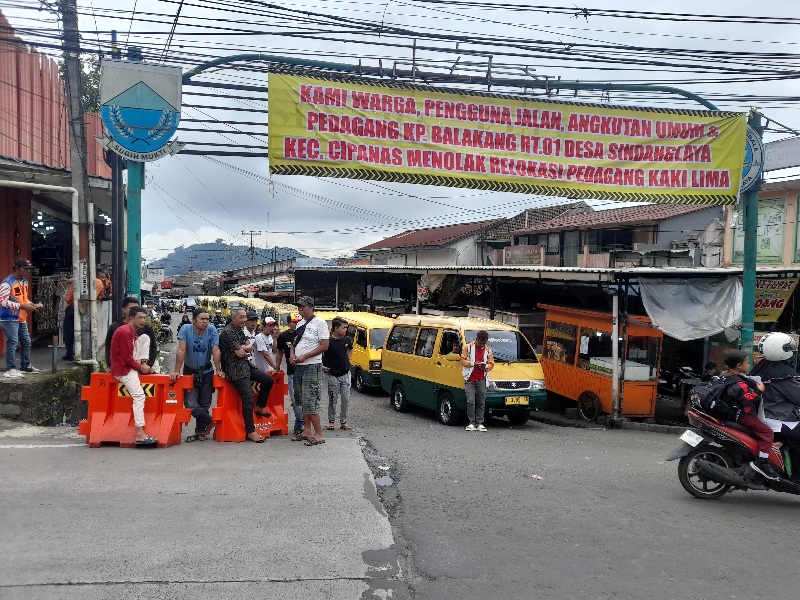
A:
(577, 362)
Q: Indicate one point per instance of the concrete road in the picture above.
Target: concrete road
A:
(607, 519)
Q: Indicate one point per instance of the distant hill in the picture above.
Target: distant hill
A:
(218, 256)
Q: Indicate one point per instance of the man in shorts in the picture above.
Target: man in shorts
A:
(311, 340)
(198, 354)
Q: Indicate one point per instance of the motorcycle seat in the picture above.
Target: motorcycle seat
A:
(737, 427)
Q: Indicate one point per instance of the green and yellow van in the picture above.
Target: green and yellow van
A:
(421, 365)
(368, 332)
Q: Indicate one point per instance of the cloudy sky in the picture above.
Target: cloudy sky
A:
(737, 54)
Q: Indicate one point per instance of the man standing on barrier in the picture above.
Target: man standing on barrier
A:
(126, 370)
(311, 340)
(234, 348)
(198, 346)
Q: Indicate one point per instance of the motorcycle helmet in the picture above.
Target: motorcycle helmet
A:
(777, 346)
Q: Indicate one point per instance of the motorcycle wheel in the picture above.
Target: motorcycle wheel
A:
(698, 485)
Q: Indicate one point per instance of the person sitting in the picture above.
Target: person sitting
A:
(781, 403)
(745, 395)
(709, 371)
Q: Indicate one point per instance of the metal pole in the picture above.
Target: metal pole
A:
(118, 277)
(615, 355)
(750, 254)
(135, 185)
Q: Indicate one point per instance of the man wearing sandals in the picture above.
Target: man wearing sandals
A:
(234, 348)
(126, 369)
(336, 363)
(310, 342)
(198, 346)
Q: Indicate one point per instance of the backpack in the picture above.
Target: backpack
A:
(710, 397)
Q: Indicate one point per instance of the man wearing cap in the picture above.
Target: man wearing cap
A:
(264, 354)
(234, 348)
(311, 340)
(15, 306)
(283, 346)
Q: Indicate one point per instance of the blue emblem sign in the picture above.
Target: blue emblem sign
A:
(753, 160)
(140, 108)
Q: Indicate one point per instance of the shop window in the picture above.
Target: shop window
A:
(402, 339)
(561, 341)
(770, 232)
(426, 342)
(641, 359)
(595, 351)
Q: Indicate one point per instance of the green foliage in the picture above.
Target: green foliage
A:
(90, 81)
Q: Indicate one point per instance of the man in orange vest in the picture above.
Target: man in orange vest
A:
(15, 306)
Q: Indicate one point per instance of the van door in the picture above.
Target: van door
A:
(447, 368)
(423, 369)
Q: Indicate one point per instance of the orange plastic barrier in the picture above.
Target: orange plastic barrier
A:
(110, 419)
(227, 414)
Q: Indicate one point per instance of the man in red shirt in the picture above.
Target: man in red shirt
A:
(477, 360)
(126, 369)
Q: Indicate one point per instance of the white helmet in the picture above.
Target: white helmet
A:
(777, 346)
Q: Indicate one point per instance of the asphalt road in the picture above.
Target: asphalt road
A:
(607, 519)
(536, 511)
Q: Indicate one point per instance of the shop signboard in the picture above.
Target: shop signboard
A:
(522, 255)
(772, 295)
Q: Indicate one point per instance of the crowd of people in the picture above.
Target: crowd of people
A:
(241, 352)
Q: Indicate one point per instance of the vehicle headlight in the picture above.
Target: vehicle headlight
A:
(374, 364)
(537, 384)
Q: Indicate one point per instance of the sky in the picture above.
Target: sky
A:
(746, 58)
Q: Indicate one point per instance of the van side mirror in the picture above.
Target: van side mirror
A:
(453, 357)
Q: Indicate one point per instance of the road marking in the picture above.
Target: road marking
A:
(22, 446)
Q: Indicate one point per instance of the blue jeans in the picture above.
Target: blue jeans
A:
(17, 333)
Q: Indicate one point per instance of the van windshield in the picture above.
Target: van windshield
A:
(377, 337)
(507, 346)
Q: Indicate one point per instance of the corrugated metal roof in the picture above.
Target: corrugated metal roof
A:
(629, 215)
(559, 273)
(774, 186)
(431, 237)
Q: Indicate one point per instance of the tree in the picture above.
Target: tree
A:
(90, 81)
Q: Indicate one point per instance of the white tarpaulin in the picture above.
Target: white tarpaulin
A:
(693, 308)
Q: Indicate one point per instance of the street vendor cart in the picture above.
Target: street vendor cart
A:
(577, 361)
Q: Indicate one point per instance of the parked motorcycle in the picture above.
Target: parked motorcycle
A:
(715, 459)
(669, 382)
(164, 334)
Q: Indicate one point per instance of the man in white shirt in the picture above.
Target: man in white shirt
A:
(264, 353)
(311, 340)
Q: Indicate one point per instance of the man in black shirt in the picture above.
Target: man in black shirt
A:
(234, 348)
(336, 363)
(127, 304)
(283, 345)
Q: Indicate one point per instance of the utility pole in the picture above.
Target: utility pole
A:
(252, 253)
(117, 164)
(73, 84)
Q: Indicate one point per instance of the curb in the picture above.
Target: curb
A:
(559, 420)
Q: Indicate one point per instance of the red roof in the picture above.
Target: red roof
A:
(433, 236)
(630, 215)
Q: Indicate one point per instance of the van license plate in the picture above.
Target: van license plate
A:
(691, 438)
(516, 400)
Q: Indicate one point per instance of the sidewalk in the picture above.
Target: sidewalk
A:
(202, 520)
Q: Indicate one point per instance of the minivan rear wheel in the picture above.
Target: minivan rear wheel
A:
(358, 380)
(448, 413)
(398, 397)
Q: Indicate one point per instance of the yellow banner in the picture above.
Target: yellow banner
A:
(419, 135)
(771, 297)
